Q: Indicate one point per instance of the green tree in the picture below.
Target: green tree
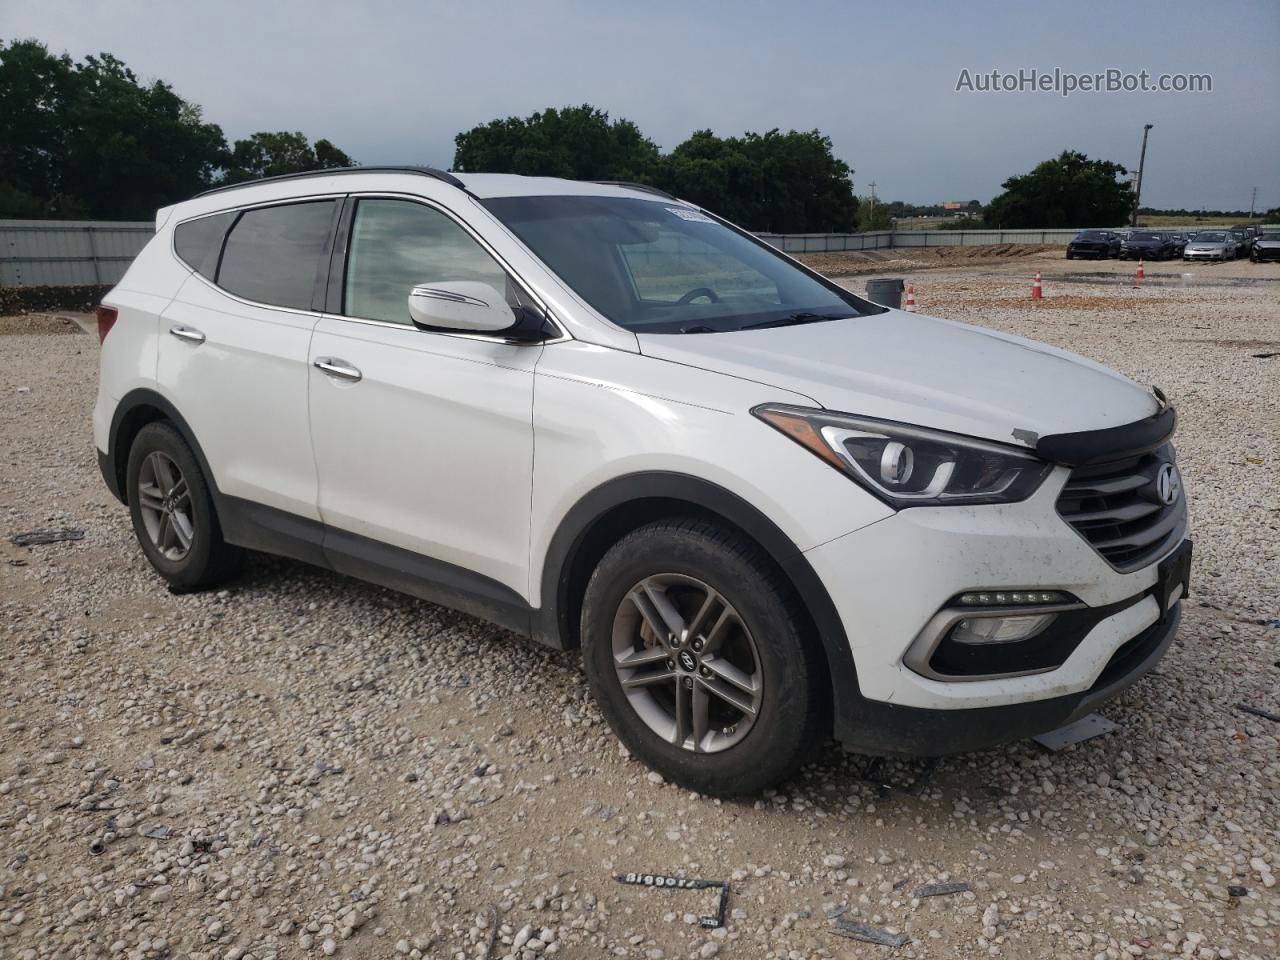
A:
(88, 139)
(772, 182)
(132, 148)
(785, 182)
(280, 153)
(877, 216)
(1068, 191)
(35, 87)
(579, 143)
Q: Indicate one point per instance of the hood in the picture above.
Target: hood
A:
(922, 370)
(1215, 245)
(1267, 242)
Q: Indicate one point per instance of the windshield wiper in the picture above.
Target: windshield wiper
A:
(697, 328)
(790, 321)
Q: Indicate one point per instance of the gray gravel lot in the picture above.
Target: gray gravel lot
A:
(302, 765)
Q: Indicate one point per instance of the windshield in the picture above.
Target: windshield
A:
(656, 267)
(1211, 237)
(1145, 236)
(1269, 235)
(1091, 235)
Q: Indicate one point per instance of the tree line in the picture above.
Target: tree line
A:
(770, 182)
(87, 139)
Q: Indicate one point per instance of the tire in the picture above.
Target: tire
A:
(178, 526)
(686, 561)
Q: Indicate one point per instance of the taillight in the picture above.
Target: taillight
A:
(106, 320)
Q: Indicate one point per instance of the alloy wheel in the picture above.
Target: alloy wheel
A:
(687, 663)
(164, 500)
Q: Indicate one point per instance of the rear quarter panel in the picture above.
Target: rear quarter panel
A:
(127, 359)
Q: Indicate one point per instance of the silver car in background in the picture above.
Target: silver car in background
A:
(1217, 245)
(1266, 246)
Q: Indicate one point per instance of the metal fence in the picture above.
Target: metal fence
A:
(837, 242)
(828, 242)
(37, 253)
(65, 252)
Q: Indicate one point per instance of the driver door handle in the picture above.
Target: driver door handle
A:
(338, 369)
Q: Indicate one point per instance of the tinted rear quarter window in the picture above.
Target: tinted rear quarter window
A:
(272, 254)
(198, 242)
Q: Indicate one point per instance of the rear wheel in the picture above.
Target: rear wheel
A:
(173, 513)
(700, 659)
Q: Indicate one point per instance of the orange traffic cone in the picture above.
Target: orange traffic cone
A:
(910, 305)
(1036, 292)
(1141, 274)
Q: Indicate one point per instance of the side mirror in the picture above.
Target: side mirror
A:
(460, 305)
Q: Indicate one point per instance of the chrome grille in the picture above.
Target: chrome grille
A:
(1116, 508)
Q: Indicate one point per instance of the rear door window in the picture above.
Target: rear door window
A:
(273, 254)
(198, 242)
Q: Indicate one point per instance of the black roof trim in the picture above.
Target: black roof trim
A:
(448, 178)
(643, 187)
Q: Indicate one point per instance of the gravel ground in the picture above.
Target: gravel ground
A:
(302, 765)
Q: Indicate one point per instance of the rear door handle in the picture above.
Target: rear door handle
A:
(190, 334)
(339, 369)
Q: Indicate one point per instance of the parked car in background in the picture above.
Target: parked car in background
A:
(1266, 246)
(1095, 244)
(766, 510)
(1243, 241)
(1210, 245)
(1179, 241)
(1146, 245)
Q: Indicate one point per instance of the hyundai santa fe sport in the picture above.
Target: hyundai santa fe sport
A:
(766, 510)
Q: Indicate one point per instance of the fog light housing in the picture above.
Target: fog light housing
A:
(983, 630)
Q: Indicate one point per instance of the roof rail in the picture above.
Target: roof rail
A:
(643, 187)
(421, 171)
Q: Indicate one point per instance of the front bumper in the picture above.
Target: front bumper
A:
(1205, 255)
(890, 579)
(1265, 253)
(886, 728)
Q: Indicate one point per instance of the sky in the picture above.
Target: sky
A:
(393, 82)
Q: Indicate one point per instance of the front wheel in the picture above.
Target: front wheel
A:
(700, 658)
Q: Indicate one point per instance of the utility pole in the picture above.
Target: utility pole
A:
(1253, 199)
(1142, 160)
(873, 201)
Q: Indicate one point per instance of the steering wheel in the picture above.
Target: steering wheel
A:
(697, 292)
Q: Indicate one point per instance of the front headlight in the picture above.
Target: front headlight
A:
(909, 466)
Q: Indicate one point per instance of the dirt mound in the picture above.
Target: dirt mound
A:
(1120, 304)
(853, 262)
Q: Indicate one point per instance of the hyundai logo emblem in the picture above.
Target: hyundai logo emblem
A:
(687, 662)
(1168, 484)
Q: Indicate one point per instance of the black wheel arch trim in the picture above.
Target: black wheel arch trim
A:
(113, 464)
(553, 620)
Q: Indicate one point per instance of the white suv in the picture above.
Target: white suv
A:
(767, 510)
